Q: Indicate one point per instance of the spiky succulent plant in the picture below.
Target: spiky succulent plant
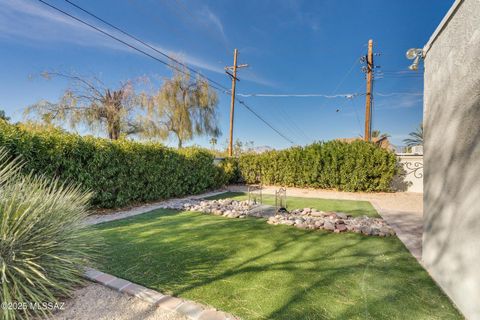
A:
(44, 244)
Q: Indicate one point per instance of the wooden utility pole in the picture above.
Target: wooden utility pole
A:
(368, 101)
(233, 75)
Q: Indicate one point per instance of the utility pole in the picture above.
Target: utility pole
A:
(233, 75)
(368, 101)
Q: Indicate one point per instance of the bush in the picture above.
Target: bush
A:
(44, 243)
(356, 166)
(119, 172)
(230, 171)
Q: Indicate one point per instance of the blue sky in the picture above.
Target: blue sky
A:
(292, 47)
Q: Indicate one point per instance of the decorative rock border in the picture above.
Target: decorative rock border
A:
(222, 207)
(333, 221)
(306, 218)
(189, 309)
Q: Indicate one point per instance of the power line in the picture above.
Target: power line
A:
(107, 34)
(135, 38)
(356, 113)
(402, 71)
(263, 120)
(420, 75)
(399, 93)
(346, 75)
(285, 120)
(398, 78)
(301, 95)
(222, 89)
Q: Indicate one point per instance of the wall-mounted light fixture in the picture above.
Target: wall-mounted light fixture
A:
(414, 54)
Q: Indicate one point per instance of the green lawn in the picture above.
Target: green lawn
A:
(258, 271)
(355, 208)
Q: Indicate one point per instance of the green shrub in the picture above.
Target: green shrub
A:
(230, 171)
(119, 172)
(356, 166)
(44, 243)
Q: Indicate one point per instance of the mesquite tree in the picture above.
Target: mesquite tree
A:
(89, 102)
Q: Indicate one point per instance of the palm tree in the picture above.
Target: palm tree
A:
(378, 134)
(213, 142)
(416, 137)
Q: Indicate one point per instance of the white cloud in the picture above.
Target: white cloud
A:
(299, 15)
(214, 20)
(36, 24)
(189, 59)
(21, 20)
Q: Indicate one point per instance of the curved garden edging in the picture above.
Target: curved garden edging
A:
(191, 310)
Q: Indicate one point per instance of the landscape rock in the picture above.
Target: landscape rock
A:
(306, 218)
(342, 215)
(341, 227)
(329, 225)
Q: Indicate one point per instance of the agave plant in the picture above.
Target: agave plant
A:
(44, 244)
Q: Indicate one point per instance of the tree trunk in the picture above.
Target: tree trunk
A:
(113, 132)
(113, 106)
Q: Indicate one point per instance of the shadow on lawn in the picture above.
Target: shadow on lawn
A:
(315, 274)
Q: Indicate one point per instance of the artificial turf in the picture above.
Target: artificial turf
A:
(259, 271)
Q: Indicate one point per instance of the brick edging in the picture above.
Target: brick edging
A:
(191, 310)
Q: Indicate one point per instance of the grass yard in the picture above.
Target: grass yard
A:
(258, 271)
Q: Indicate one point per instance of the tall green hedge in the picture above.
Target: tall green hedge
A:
(356, 166)
(118, 172)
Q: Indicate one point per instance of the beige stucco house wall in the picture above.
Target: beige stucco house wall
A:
(451, 239)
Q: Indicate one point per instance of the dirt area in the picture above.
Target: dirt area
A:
(101, 303)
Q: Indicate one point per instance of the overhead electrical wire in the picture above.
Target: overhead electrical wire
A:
(399, 94)
(290, 120)
(346, 75)
(221, 89)
(259, 117)
(112, 36)
(145, 44)
(299, 95)
(356, 113)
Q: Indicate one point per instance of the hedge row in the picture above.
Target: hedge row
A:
(356, 166)
(119, 172)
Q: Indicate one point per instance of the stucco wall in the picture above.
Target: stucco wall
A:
(412, 171)
(451, 240)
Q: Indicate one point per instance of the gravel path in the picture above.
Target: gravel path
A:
(101, 303)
